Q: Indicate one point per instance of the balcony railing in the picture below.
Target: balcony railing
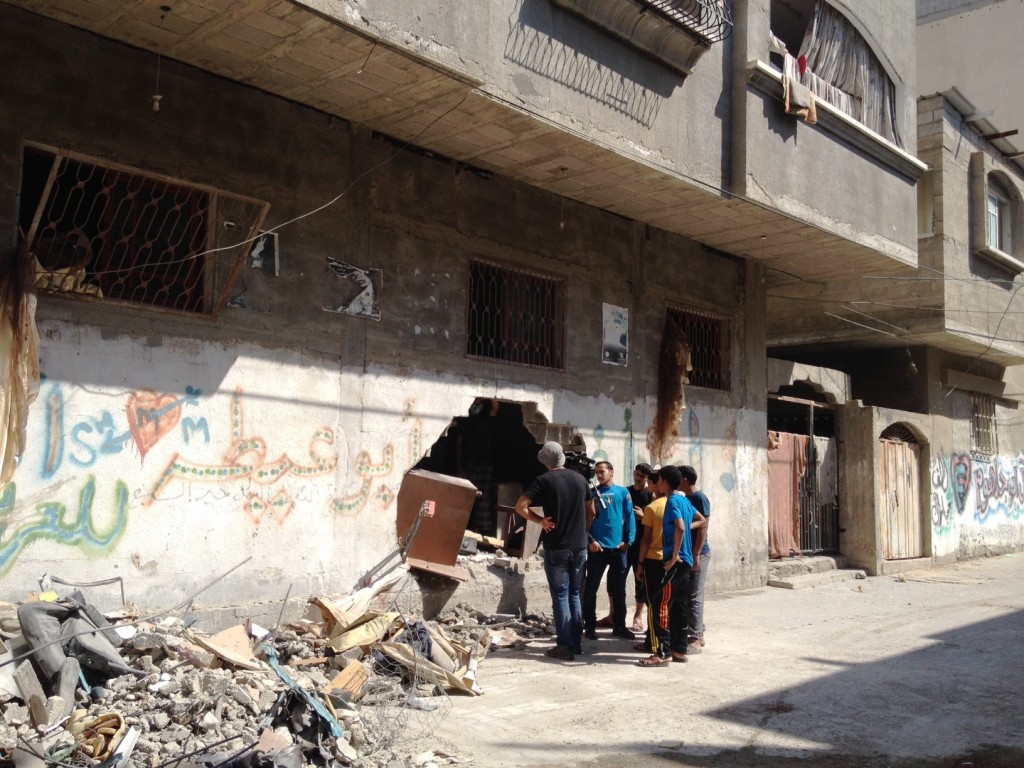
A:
(708, 18)
(676, 32)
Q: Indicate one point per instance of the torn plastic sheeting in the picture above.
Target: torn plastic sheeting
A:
(367, 630)
(462, 680)
(332, 724)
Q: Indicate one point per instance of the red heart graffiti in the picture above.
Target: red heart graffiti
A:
(151, 416)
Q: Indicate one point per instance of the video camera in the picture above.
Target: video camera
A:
(578, 461)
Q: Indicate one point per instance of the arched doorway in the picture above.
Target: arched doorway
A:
(902, 533)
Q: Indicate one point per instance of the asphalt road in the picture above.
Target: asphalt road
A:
(920, 671)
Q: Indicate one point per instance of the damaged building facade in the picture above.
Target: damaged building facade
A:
(289, 251)
(926, 452)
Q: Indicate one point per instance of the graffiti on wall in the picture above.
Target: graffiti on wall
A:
(75, 429)
(999, 485)
(150, 416)
(981, 488)
(247, 458)
(53, 520)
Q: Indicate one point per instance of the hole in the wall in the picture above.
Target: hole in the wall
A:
(494, 446)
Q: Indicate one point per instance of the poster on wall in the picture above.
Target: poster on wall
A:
(263, 254)
(361, 289)
(615, 325)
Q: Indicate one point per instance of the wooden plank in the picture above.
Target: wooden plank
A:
(350, 681)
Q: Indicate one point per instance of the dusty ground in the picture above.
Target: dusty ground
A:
(925, 672)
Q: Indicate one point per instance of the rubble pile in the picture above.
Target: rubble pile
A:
(343, 686)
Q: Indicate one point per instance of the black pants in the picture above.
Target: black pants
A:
(614, 560)
(668, 595)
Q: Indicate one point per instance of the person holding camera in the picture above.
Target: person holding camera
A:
(564, 496)
(611, 533)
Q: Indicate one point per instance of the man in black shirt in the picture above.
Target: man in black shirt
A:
(568, 511)
(641, 497)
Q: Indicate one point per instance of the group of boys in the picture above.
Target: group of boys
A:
(588, 532)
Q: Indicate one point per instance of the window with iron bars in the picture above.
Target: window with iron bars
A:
(983, 425)
(515, 316)
(707, 336)
(115, 233)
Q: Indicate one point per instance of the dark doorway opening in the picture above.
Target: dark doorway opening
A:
(493, 449)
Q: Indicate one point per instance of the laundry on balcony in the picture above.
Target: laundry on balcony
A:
(799, 100)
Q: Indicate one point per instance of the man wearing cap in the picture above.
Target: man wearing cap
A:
(568, 511)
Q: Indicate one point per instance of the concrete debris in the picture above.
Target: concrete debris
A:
(332, 690)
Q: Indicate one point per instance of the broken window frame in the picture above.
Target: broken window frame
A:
(117, 208)
(518, 319)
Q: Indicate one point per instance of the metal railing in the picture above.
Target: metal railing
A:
(710, 19)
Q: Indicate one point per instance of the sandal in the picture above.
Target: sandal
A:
(681, 657)
(653, 661)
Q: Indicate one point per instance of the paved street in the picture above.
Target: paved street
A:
(921, 670)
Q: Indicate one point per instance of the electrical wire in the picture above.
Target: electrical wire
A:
(213, 251)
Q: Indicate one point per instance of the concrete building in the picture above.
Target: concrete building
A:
(289, 250)
(931, 447)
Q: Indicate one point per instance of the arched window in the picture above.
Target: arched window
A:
(828, 54)
(997, 215)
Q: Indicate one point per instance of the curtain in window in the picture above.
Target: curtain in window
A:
(842, 70)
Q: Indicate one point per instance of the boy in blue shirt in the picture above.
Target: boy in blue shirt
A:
(670, 606)
(611, 533)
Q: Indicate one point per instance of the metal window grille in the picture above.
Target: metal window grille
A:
(983, 425)
(708, 18)
(516, 316)
(708, 339)
(116, 233)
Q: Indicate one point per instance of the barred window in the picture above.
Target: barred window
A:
(516, 316)
(116, 233)
(707, 337)
(983, 425)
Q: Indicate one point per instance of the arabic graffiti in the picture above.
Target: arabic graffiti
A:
(999, 488)
(247, 458)
(367, 471)
(982, 488)
(942, 496)
(56, 524)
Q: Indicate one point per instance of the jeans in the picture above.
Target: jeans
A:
(697, 597)
(615, 561)
(564, 569)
